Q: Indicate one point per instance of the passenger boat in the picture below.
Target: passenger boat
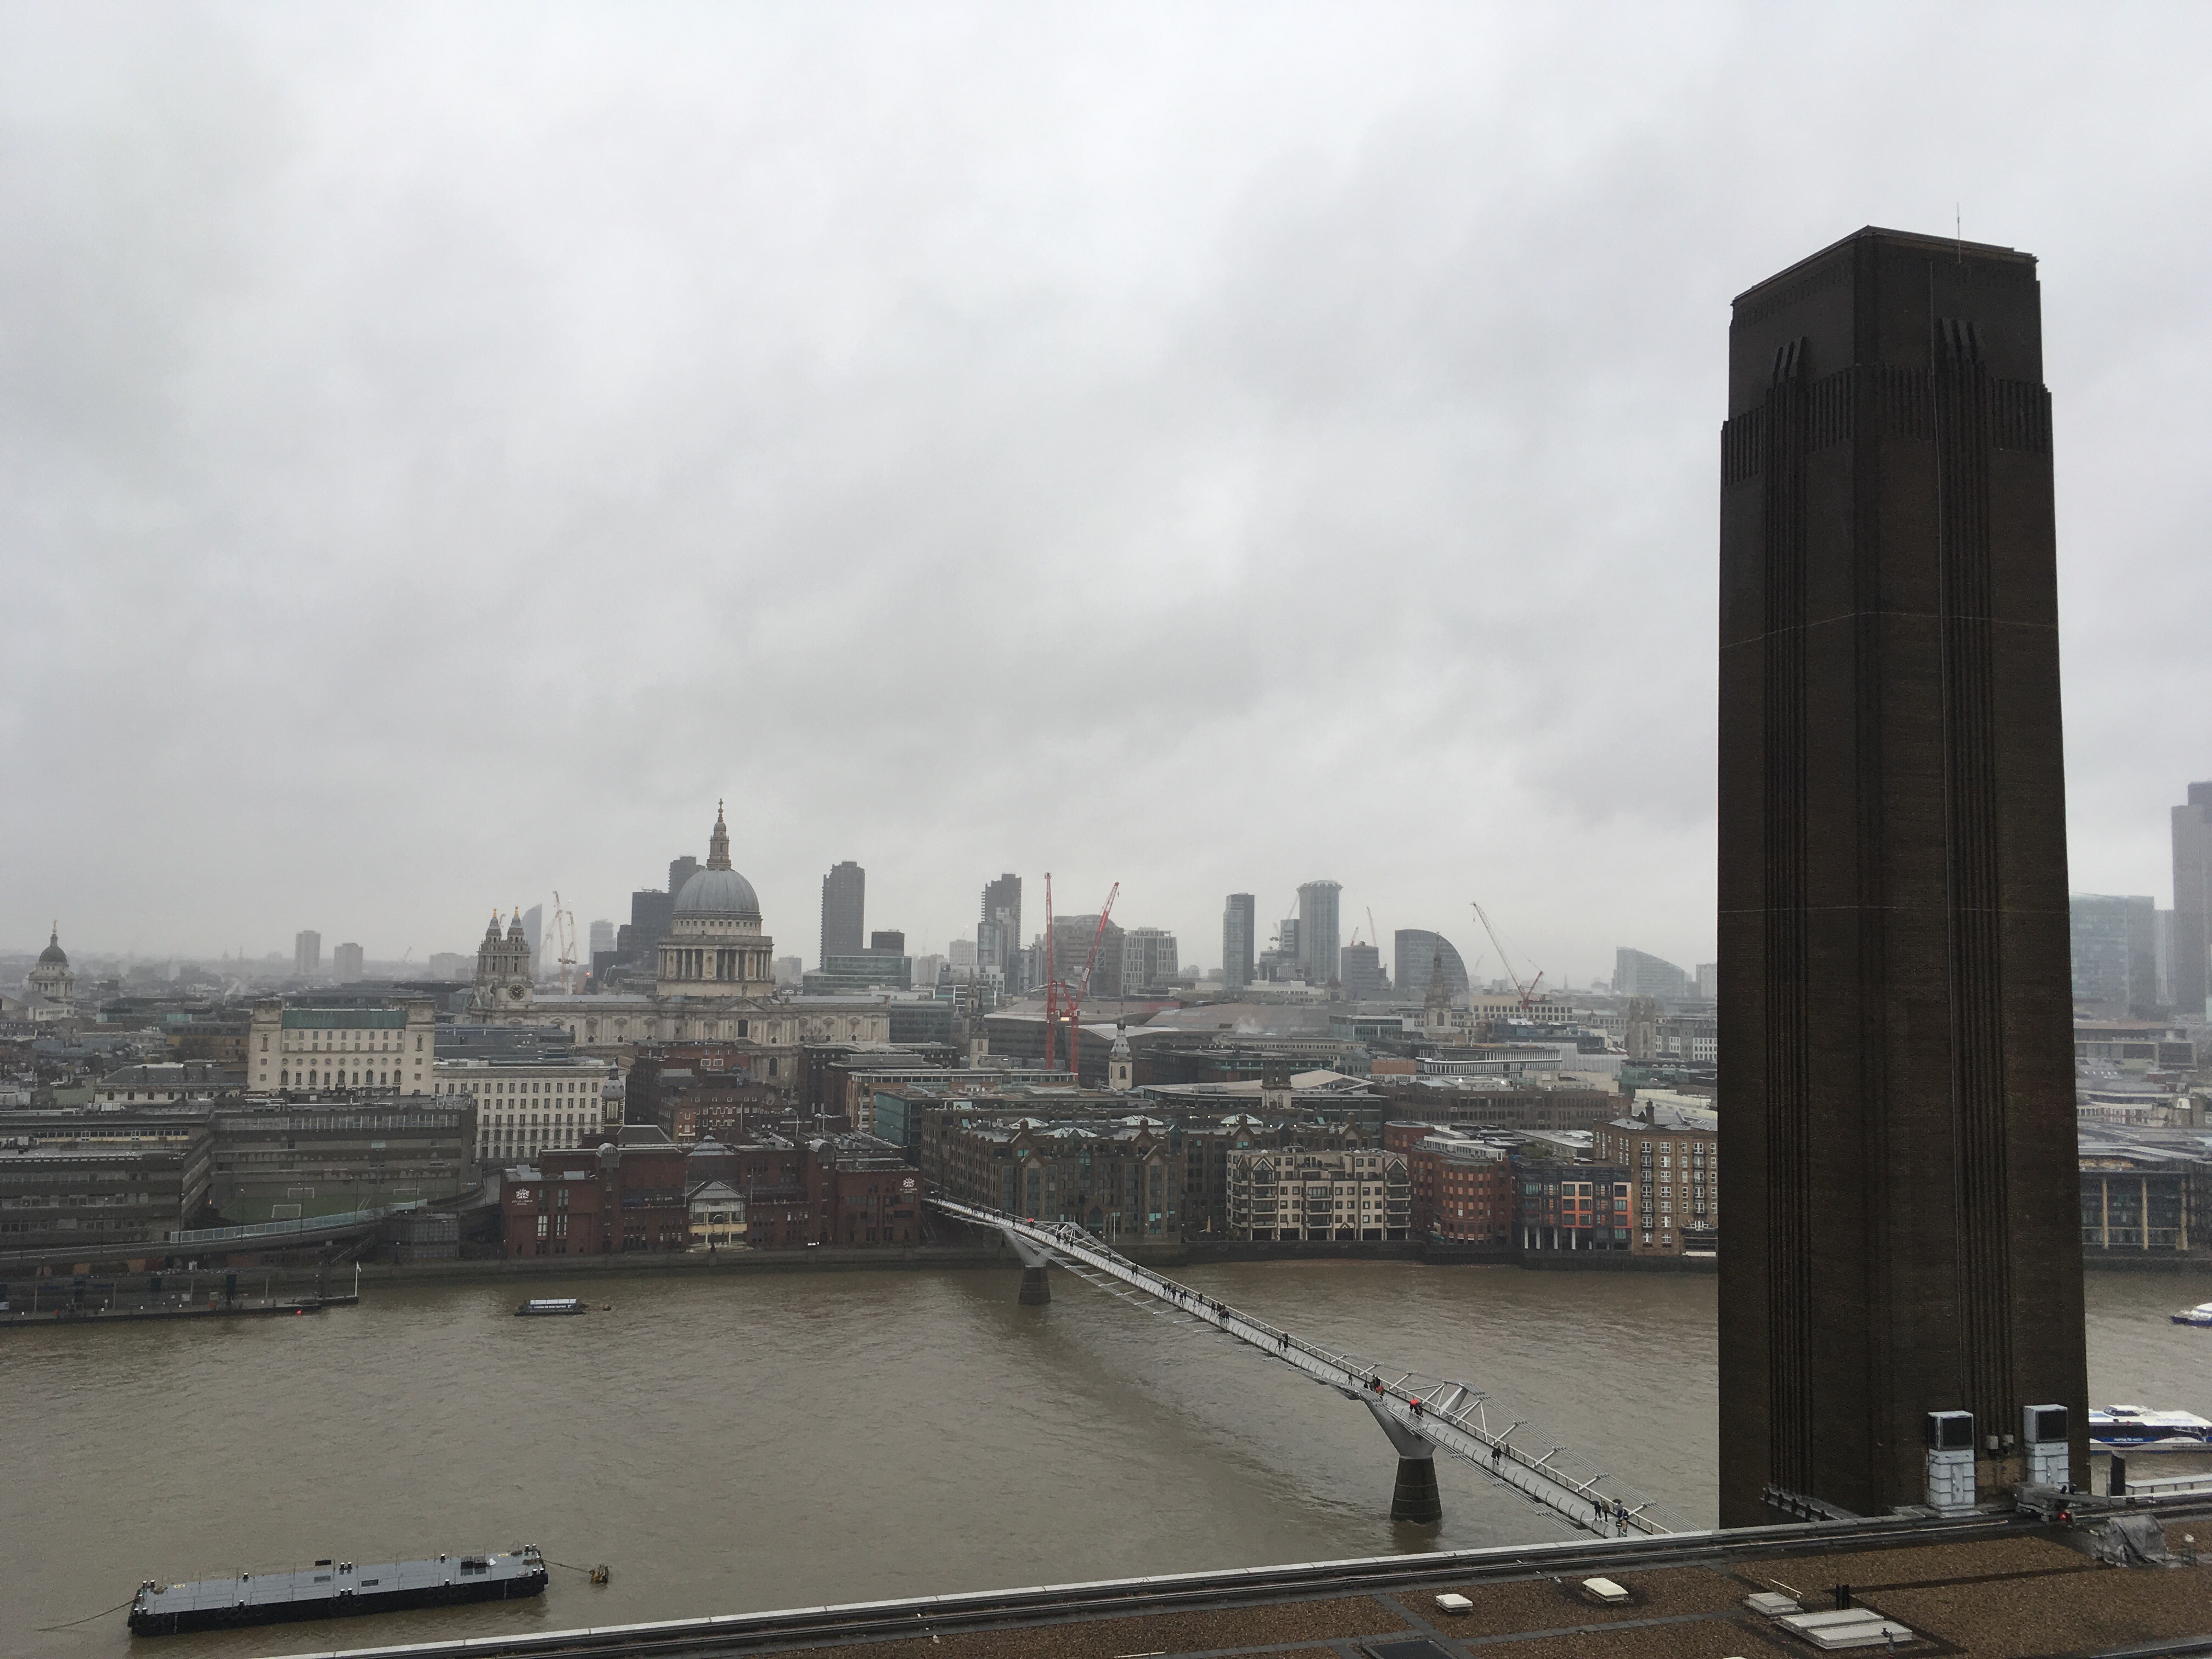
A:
(552, 1304)
(2130, 1428)
(335, 1589)
(2199, 1314)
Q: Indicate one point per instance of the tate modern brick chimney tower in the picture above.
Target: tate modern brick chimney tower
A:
(1896, 1053)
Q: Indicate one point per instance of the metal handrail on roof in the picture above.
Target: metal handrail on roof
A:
(313, 1224)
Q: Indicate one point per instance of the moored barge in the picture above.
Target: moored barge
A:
(552, 1304)
(335, 1589)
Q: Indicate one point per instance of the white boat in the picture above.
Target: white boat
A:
(2130, 1428)
(551, 1304)
(2199, 1314)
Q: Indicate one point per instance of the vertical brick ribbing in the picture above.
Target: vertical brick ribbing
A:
(1962, 409)
(1789, 1198)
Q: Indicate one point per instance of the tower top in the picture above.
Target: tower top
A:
(718, 844)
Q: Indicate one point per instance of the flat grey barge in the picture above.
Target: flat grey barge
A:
(335, 1589)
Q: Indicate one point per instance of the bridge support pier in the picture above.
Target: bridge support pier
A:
(1036, 1292)
(1414, 1499)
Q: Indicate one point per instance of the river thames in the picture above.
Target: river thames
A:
(746, 1442)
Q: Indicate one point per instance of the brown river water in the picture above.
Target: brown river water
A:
(784, 1440)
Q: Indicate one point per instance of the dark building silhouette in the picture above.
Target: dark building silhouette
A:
(844, 897)
(1239, 930)
(1417, 952)
(1896, 1065)
(2192, 901)
(999, 931)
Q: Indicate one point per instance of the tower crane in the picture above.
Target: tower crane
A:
(1527, 991)
(1075, 993)
(564, 939)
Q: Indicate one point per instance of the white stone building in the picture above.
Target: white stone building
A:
(387, 1049)
(51, 979)
(1286, 1193)
(525, 1108)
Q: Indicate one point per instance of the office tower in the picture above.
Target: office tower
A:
(306, 953)
(1709, 979)
(346, 963)
(1317, 930)
(1239, 940)
(1078, 940)
(1896, 1046)
(603, 938)
(1638, 974)
(679, 872)
(1362, 966)
(1150, 960)
(1416, 952)
(2113, 946)
(651, 914)
(844, 898)
(888, 944)
(2190, 962)
(998, 929)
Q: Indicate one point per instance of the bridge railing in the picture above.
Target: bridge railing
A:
(306, 1224)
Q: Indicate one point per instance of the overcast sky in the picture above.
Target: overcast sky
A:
(442, 450)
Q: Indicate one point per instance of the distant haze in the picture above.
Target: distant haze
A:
(445, 449)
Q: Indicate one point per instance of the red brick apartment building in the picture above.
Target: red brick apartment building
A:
(1462, 1184)
(1673, 1157)
(627, 1196)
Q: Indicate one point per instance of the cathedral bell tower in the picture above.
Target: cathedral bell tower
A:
(504, 993)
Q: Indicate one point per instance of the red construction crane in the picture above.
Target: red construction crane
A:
(1074, 993)
(1527, 991)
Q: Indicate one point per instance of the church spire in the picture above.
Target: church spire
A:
(718, 844)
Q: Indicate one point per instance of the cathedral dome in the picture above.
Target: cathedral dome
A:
(54, 956)
(717, 893)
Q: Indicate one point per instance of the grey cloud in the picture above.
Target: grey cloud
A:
(447, 449)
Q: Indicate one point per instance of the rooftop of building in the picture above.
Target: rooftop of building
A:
(1986, 1589)
(346, 1019)
(1665, 1118)
(1317, 1082)
(175, 1074)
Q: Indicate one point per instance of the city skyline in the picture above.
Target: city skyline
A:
(299, 464)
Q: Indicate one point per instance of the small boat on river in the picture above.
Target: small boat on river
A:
(2199, 1314)
(552, 1304)
(2130, 1428)
(335, 1589)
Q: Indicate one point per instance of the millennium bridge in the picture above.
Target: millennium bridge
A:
(1421, 1414)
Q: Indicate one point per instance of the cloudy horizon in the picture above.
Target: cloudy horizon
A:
(1206, 448)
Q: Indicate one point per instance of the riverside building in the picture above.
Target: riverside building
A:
(1347, 1195)
(1673, 1159)
(527, 1106)
(387, 1050)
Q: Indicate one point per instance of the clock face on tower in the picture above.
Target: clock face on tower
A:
(515, 991)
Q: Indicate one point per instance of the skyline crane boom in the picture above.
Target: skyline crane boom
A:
(1526, 992)
(1083, 984)
(564, 939)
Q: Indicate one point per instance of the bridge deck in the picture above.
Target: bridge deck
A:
(1418, 1410)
